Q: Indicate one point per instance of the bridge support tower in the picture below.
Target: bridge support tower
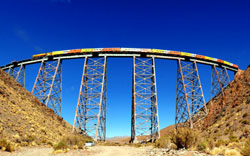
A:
(48, 85)
(145, 119)
(90, 117)
(190, 101)
(219, 81)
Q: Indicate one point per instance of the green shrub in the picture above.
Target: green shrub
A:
(163, 142)
(184, 138)
(245, 151)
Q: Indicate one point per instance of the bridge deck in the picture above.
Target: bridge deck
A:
(123, 52)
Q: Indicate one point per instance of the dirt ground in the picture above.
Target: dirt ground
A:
(92, 151)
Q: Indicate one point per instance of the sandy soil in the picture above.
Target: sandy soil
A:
(92, 151)
(119, 151)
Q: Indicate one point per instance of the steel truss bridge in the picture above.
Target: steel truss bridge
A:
(90, 116)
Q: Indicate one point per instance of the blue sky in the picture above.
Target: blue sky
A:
(214, 28)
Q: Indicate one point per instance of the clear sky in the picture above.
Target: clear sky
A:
(219, 29)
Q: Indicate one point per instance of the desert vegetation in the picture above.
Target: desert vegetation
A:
(6, 146)
(189, 139)
(73, 141)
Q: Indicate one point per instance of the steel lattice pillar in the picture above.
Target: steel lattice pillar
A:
(144, 100)
(48, 85)
(219, 80)
(190, 102)
(18, 73)
(90, 117)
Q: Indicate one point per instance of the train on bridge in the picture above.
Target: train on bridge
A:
(134, 50)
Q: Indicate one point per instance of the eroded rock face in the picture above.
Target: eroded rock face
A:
(24, 119)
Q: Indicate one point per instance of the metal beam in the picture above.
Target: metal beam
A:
(190, 101)
(145, 120)
(48, 85)
(90, 117)
(18, 73)
(219, 80)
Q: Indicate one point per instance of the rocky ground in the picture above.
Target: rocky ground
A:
(104, 151)
(24, 120)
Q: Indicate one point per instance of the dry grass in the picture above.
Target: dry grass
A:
(245, 151)
(224, 151)
(229, 152)
(72, 141)
(24, 120)
(163, 142)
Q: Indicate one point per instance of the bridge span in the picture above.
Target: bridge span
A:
(90, 116)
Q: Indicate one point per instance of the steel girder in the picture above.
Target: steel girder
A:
(219, 80)
(144, 100)
(18, 73)
(90, 117)
(48, 85)
(190, 102)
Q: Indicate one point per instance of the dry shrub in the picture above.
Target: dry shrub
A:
(226, 132)
(218, 150)
(234, 145)
(245, 115)
(245, 151)
(202, 146)
(6, 146)
(220, 143)
(62, 145)
(71, 141)
(205, 144)
(233, 138)
(230, 152)
(210, 143)
(163, 142)
(184, 138)
(245, 122)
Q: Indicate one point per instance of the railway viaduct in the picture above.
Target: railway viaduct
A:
(90, 116)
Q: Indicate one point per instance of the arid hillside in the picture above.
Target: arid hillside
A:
(24, 120)
(229, 116)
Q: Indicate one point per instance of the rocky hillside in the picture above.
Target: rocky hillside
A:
(229, 116)
(24, 120)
